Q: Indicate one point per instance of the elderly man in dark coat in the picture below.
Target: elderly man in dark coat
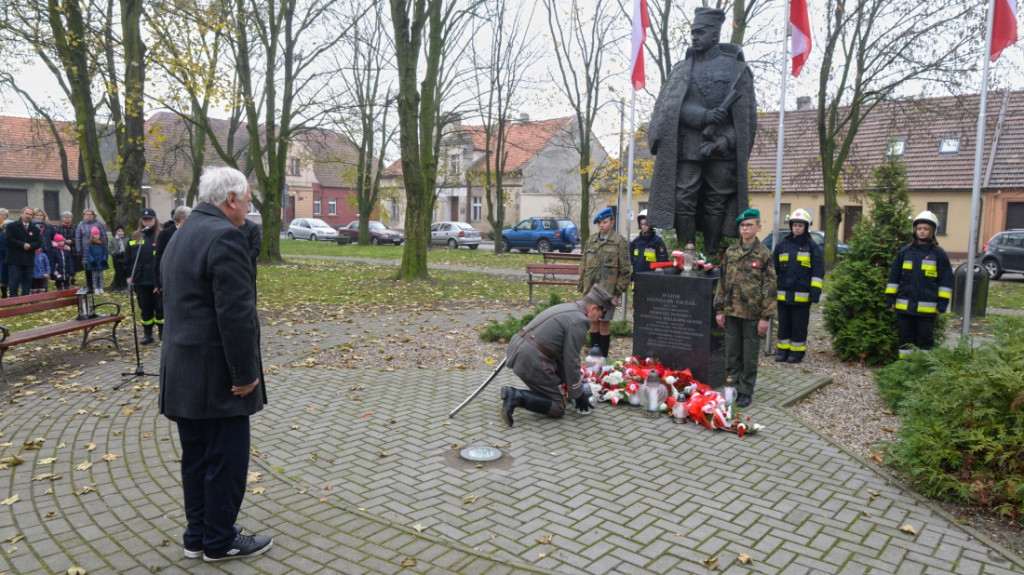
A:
(701, 133)
(210, 364)
(546, 354)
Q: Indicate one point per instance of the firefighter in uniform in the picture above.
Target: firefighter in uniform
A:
(143, 280)
(920, 286)
(799, 269)
(546, 355)
(745, 303)
(647, 246)
(605, 263)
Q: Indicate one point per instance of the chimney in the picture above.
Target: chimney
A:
(804, 103)
(524, 117)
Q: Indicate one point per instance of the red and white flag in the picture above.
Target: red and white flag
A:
(640, 25)
(1004, 26)
(800, 36)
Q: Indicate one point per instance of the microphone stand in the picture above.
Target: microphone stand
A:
(139, 371)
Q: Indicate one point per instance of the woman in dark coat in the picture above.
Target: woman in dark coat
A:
(142, 256)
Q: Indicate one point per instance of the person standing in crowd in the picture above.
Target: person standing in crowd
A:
(745, 303)
(211, 309)
(647, 247)
(46, 231)
(920, 286)
(22, 242)
(179, 216)
(142, 258)
(546, 355)
(96, 259)
(4, 215)
(67, 229)
(118, 249)
(40, 271)
(61, 263)
(605, 263)
(83, 233)
(800, 271)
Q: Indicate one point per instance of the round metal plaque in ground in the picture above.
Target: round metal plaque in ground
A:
(480, 453)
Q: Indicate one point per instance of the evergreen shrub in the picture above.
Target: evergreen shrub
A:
(961, 437)
(503, 331)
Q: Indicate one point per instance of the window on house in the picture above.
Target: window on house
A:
(941, 210)
(896, 148)
(455, 164)
(332, 207)
(394, 210)
(15, 199)
(478, 209)
(949, 145)
(316, 207)
(294, 166)
(51, 204)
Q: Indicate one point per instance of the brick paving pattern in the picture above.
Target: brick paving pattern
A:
(359, 473)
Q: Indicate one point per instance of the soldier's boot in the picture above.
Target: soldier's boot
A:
(3, 291)
(595, 339)
(782, 355)
(795, 357)
(686, 233)
(148, 332)
(511, 398)
(712, 235)
(606, 343)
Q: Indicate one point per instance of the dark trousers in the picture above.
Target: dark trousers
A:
(793, 321)
(19, 277)
(214, 465)
(741, 348)
(151, 308)
(915, 330)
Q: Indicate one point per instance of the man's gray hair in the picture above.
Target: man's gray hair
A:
(217, 182)
(180, 213)
(67, 214)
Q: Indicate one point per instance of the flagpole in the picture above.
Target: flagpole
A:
(979, 150)
(629, 173)
(777, 220)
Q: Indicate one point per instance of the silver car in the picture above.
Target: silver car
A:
(311, 229)
(454, 235)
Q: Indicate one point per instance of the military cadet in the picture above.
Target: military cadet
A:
(647, 246)
(605, 263)
(745, 303)
(920, 286)
(546, 355)
(800, 269)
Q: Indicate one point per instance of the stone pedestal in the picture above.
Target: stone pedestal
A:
(674, 322)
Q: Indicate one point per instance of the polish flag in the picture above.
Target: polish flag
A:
(800, 37)
(640, 25)
(1004, 26)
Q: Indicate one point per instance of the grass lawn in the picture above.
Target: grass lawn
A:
(1006, 294)
(481, 257)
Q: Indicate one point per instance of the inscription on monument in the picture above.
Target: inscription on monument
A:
(674, 322)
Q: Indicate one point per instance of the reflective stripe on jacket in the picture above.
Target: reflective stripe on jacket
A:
(920, 280)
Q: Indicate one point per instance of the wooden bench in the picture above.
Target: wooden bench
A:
(547, 274)
(555, 257)
(31, 304)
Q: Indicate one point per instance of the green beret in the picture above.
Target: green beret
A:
(748, 214)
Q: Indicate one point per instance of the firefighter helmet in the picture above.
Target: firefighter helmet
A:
(642, 215)
(801, 215)
(926, 216)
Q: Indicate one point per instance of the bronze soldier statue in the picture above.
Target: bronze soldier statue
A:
(701, 133)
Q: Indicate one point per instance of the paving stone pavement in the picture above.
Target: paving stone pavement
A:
(359, 473)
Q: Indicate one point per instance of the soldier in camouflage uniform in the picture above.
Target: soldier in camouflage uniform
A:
(546, 354)
(605, 263)
(745, 302)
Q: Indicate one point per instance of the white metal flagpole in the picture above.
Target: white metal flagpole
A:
(629, 170)
(979, 150)
(777, 220)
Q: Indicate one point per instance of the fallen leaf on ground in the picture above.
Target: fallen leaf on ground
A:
(711, 563)
(90, 446)
(746, 559)
(908, 528)
(47, 461)
(11, 500)
(469, 499)
(110, 457)
(544, 539)
(83, 466)
(408, 562)
(419, 528)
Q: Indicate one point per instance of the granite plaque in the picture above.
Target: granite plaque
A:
(674, 322)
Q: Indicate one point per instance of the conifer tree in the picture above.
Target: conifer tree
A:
(862, 327)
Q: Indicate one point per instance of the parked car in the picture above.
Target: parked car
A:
(1004, 252)
(379, 233)
(542, 234)
(311, 229)
(819, 238)
(454, 235)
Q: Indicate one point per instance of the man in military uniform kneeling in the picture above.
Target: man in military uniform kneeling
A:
(546, 354)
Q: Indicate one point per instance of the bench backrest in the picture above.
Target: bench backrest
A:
(553, 268)
(23, 305)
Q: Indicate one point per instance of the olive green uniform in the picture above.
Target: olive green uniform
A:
(746, 294)
(605, 263)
